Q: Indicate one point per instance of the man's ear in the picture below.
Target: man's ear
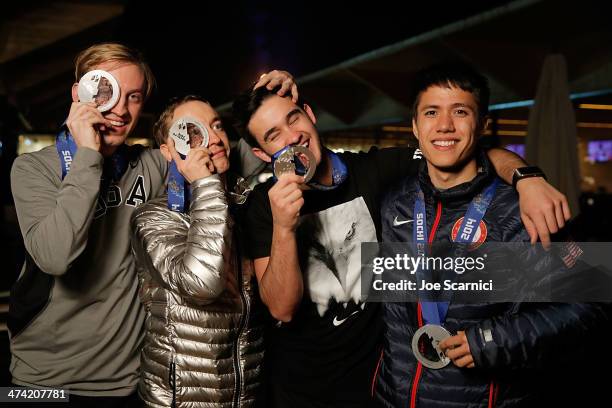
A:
(310, 113)
(75, 92)
(415, 130)
(261, 154)
(163, 149)
(486, 122)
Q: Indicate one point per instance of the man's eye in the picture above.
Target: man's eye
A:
(461, 112)
(430, 113)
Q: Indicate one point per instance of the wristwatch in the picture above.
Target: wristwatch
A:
(525, 172)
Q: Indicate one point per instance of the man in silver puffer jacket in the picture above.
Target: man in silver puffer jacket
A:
(202, 346)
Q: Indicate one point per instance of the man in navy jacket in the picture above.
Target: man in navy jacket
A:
(496, 349)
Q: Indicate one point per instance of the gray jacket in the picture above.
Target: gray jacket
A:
(202, 347)
(75, 319)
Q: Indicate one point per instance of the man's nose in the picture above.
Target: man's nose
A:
(213, 138)
(120, 109)
(445, 123)
(295, 137)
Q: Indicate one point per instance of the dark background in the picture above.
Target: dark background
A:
(216, 49)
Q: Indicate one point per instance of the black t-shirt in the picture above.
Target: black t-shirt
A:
(327, 354)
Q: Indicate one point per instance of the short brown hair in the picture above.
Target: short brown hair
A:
(97, 54)
(162, 126)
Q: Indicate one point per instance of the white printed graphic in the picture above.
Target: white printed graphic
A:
(330, 255)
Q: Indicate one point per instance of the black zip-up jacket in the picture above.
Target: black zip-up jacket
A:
(512, 343)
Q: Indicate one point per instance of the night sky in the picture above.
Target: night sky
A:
(216, 49)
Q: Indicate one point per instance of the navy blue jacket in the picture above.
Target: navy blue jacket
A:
(520, 339)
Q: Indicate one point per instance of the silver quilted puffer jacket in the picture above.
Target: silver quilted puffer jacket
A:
(202, 347)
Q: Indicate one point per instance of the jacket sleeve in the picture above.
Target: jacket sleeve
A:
(533, 334)
(185, 257)
(55, 216)
(536, 335)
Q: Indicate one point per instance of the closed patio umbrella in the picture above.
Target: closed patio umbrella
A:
(552, 142)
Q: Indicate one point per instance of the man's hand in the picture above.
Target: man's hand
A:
(544, 210)
(196, 165)
(286, 200)
(83, 122)
(275, 78)
(457, 349)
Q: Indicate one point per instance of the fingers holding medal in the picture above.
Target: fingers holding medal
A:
(435, 347)
(189, 138)
(295, 159)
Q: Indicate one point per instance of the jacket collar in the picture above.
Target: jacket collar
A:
(461, 191)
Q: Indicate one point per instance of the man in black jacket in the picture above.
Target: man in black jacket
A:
(456, 197)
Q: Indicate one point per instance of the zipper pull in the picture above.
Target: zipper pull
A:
(171, 374)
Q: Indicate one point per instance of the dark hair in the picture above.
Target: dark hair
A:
(246, 104)
(456, 74)
(162, 126)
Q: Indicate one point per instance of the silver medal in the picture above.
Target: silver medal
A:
(188, 133)
(428, 339)
(285, 163)
(100, 87)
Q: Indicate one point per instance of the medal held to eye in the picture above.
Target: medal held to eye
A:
(426, 346)
(188, 133)
(100, 87)
(295, 160)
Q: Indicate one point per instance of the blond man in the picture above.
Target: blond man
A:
(75, 320)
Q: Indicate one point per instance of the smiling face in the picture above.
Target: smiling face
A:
(447, 126)
(125, 114)
(218, 142)
(279, 122)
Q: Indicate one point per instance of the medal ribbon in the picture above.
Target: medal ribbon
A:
(179, 190)
(67, 147)
(435, 312)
